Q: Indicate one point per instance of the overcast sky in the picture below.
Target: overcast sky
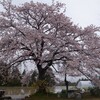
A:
(81, 12)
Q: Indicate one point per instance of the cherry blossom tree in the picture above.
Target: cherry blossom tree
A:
(44, 35)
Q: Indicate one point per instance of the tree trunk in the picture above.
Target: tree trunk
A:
(41, 80)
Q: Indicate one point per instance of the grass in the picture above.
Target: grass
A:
(49, 96)
(55, 98)
(52, 96)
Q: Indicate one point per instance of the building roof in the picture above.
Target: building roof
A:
(84, 84)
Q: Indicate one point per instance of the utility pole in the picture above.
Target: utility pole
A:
(66, 84)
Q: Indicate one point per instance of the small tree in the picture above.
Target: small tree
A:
(33, 77)
(14, 77)
(26, 78)
(50, 77)
(4, 73)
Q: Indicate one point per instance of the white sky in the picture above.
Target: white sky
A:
(81, 12)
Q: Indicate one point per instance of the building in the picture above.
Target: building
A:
(84, 84)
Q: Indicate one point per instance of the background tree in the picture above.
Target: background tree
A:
(33, 77)
(44, 35)
(9, 76)
(4, 73)
(50, 78)
(27, 78)
(14, 77)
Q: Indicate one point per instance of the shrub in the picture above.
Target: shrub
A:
(63, 94)
(95, 91)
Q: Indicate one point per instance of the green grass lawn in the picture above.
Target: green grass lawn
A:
(54, 97)
(45, 97)
(49, 98)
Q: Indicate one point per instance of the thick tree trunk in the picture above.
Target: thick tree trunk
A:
(41, 79)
